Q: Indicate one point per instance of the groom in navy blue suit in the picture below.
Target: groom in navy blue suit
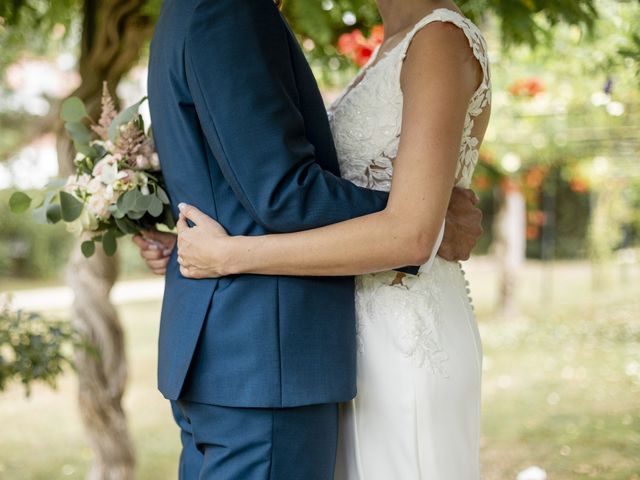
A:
(254, 365)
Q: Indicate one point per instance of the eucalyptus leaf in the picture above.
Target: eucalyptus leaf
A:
(54, 213)
(40, 213)
(78, 132)
(70, 207)
(127, 202)
(120, 201)
(143, 202)
(136, 215)
(19, 202)
(156, 207)
(127, 226)
(73, 110)
(85, 149)
(88, 248)
(162, 195)
(109, 243)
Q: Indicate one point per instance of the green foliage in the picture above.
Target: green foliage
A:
(19, 202)
(109, 243)
(570, 129)
(88, 248)
(579, 347)
(32, 250)
(73, 110)
(631, 52)
(29, 25)
(520, 22)
(529, 21)
(32, 348)
(28, 248)
(70, 207)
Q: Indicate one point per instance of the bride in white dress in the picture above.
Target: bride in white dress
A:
(417, 414)
(411, 122)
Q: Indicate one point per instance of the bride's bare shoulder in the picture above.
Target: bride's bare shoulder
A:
(442, 48)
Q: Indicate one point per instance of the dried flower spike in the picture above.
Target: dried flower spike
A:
(109, 112)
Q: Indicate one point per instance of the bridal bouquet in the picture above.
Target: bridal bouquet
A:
(117, 188)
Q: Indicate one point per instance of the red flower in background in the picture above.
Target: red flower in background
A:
(377, 35)
(482, 182)
(579, 185)
(359, 48)
(537, 217)
(533, 232)
(509, 184)
(527, 87)
(534, 177)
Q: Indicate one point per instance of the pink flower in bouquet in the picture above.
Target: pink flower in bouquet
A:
(99, 167)
(155, 162)
(99, 204)
(126, 176)
(142, 162)
(77, 182)
(95, 185)
(106, 169)
(83, 180)
(125, 180)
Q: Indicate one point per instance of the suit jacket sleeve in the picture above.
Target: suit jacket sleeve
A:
(241, 78)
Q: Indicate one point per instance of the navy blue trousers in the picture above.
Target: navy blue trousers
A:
(223, 443)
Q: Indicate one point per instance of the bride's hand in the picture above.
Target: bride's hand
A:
(204, 249)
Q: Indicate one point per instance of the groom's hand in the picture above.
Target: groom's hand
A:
(155, 249)
(463, 226)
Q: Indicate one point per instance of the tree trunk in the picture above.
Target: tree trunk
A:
(102, 375)
(114, 32)
(509, 244)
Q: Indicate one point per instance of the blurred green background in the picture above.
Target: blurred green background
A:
(555, 277)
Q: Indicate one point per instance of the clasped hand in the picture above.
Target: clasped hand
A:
(203, 249)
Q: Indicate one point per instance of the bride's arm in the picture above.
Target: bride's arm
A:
(438, 78)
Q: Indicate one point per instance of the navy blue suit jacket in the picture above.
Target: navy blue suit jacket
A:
(242, 133)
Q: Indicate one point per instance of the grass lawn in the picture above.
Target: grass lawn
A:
(561, 387)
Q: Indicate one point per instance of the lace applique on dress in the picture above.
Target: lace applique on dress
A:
(413, 308)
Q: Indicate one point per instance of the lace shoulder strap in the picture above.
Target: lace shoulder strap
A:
(472, 32)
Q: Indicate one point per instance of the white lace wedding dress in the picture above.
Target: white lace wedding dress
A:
(417, 414)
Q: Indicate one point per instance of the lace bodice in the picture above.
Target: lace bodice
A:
(366, 122)
(366, 119)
